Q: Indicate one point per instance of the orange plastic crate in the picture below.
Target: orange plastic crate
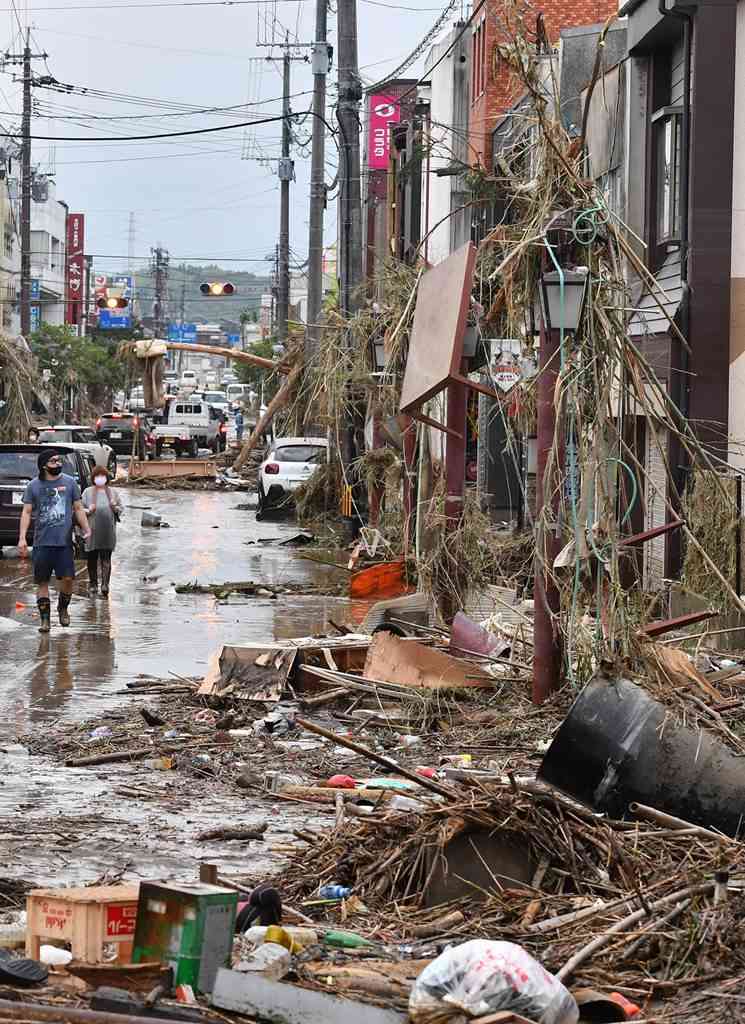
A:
(86, 918)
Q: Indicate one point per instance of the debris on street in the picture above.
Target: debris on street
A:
(465, 740)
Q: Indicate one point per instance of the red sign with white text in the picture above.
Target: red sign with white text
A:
(121, 920)
(75, 267)
(384, 111)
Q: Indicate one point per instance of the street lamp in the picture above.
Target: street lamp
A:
(378, 348)
(562, 294)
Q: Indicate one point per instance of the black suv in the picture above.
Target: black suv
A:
(124, 431)
(17, 468)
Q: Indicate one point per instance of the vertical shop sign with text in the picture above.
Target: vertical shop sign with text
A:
(75, 267)
(384, 111)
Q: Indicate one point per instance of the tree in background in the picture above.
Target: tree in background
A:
(81, 373)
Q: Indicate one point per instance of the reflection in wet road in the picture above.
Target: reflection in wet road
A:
(145, 627)
(62, 825)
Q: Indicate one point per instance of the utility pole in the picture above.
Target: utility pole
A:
(88, 264)
(348, 114)
(159, 271)
(317, 185)
(25, 59)
(286, 174)
(350, 257)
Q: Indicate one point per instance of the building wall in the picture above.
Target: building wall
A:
(493, 86)
(10, 265)
(448, 139)
(48, 247)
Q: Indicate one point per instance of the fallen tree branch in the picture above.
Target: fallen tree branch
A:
(621, 926)
(279, 400)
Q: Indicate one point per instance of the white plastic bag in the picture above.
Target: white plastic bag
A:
(482, 977)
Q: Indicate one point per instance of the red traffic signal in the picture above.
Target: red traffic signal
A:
(215, 289)
(112, 302)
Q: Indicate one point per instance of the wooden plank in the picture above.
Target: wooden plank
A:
(413, 664)
(661, 626)
(172, 469)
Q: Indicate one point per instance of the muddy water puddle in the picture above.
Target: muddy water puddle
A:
(63, 824)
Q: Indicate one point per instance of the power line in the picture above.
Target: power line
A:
(144, 138)
(418, 50)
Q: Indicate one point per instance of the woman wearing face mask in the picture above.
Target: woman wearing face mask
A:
(104, 509)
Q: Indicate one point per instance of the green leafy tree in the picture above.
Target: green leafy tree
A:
(91, 365)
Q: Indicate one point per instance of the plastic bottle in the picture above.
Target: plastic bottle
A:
(406, 803)
(270, 959)
(334, 892)
(300, 936)
(345, 940)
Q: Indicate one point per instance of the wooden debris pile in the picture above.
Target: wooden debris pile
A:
(616, 905)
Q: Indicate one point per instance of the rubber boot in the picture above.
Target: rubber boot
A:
(92, 575)
(45, 614)
(62, 609)
(105, 577)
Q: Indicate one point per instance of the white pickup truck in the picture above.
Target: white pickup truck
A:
(188, 424)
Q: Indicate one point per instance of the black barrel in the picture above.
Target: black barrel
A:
(617, 746)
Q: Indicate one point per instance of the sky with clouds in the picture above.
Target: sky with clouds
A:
(197, 196)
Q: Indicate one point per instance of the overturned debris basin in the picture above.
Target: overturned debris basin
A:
(618, 746)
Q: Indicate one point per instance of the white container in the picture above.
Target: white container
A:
(269, 959)
(53, 956)
(301, 936)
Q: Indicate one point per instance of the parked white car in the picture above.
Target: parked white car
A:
(189, 380)
(289, 463)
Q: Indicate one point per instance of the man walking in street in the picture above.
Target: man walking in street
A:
(239, 425)
(53, 499)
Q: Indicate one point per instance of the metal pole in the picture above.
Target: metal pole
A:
(547, 649)
(317, 186)
(348, 113)
(350, 257)
(283, 297)
(455, 464)
(26, 192)
(87, 263)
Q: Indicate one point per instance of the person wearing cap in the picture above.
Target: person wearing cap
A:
(53, 499)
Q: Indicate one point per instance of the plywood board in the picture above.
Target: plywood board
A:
(391, 659)
(440, 315)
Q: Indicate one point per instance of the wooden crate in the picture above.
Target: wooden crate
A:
(86, 918)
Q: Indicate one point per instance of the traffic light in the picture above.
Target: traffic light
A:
(112, 302)
(215, 289)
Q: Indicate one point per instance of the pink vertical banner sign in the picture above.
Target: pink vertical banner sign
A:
(75, 267)
(384, 111)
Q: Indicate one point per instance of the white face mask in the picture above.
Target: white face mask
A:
(99, 481)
